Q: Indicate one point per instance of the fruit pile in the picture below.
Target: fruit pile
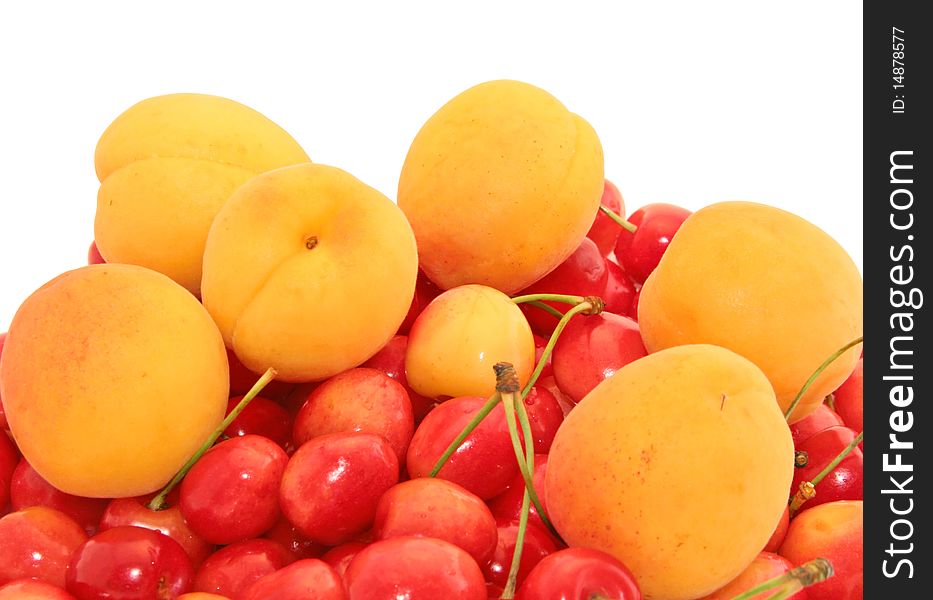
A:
(274, 382)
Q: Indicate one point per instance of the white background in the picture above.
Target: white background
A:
(694, 102)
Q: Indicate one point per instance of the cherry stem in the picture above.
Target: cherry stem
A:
(618, 219)
(485, 410)
(590, 305)
(818, 372)
(807, 574)
(565, 298)
(830, 401)
(807, 489)
(158, 503)
(546, 308)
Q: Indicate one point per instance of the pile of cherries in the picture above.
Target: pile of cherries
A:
(323, 490)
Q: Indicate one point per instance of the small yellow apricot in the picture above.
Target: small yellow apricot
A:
(112, 375)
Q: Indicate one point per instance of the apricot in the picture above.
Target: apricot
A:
(764, 283)
(500, 185)
(167, 165)
(460, 335)
(677, 465)
(112, 375)
(308, 270)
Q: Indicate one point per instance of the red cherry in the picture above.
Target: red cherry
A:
(9, 458)
(507, 506)
(425, 291)
(288, 535)
(620, 290)
(579, 574)
(592, 348)
(391, 361)
(93, 255)
(133, 511)
(848, 399)
(261, 417)
(233, 568)
(229, 495)
(604, 230)
(822, 418)
(633, 309)
(640, 252)
(333, 483)
(583, 273)
(242, 379)
(540, 343)
(777, 538)
(340, 556)
(30, 589)
(38, 542)
(414, 568)
(4, 426)
(440, 509)
(544, 416)
(765, 566)
(308, 579)
(360, 399)
(28, 488)
(129, 563)
(538, 544)
(845, 481)
(484, 463)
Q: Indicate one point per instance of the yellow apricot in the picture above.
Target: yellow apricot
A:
(167, 165)
(309, 271)
(679, 465)
(112, 375)
(500, 185)
(764, 283)
(460, 335)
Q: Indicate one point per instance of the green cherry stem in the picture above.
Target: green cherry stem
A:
(546, 308)
(485, 410)
(807, 574)
(807, 489)
(565, 298)
(591, 306)
(158, 503)
(618, 219)
(818, 372)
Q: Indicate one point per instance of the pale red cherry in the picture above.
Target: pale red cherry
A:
(28, 488)
(457, 339)
(583, 273)
(333, 483)
(619, 293)
(604, 230)
(437, 508)
(233, 568)
(538, 544)
(391, 361)
(832, 531)
(168, 521)
(38, 542)
(364, 400)
(308, 579)
(765, 566)
(848, 399)
(592, 348)
(484, 463)
(32, 589)
(414, 568)
(780, 532)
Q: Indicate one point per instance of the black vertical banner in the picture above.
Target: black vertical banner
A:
(898, 365)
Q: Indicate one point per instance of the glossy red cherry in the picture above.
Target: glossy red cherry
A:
(437, 508)
(168, 521)
(822, 418)
(308, 579)
(604, 230)
(230, 494)
(31, 589)
(538, 544)
(845, 481)
(579, 574)
(640, 252)
(129, 563)
(391, 361)
(333, 483)
(484, 463)
(38, 542)
(93, 255)
(9, 458)
(242, 379)
(261, 417)
(361, 399)
(540, 344)
(28, 488)
(592, 348)
(299, 545)
(507, 506)
(233, 568)
(848, 399)
(620, 290)
(544, 416)
(583, 273)
(339, 557)
(425, 291)
(414, 568)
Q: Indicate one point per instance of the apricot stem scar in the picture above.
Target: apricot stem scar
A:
(311, 242)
